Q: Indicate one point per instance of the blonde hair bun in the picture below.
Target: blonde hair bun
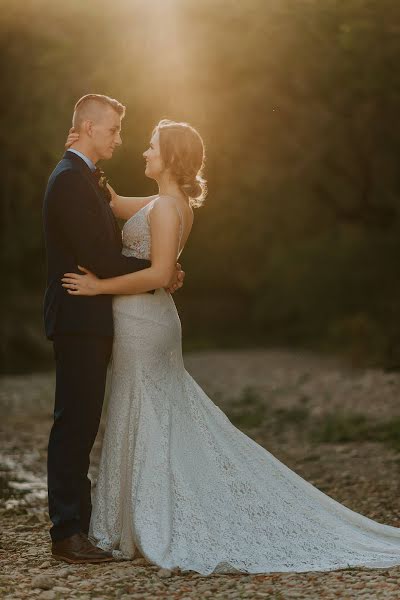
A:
(182, 151)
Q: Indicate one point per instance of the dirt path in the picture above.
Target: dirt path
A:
(303, 409)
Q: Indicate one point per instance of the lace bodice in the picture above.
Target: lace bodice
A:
(136, 236)
(136, 239)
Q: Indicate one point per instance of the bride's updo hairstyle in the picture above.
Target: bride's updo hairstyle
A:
(182, 151)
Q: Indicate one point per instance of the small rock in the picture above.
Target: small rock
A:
(61, 589)
(44, 582)
(163, 573)
(25, 528)
(358, 586)
(33, 518)
(45, 565)
(48, 595)
(140, 561)
(64, 572)
(118, 572)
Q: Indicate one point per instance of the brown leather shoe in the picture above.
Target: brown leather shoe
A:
(78, 549)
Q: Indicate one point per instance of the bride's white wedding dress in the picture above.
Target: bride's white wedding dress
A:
(181, 483)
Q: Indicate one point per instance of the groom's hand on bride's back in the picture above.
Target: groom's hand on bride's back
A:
(177, 280)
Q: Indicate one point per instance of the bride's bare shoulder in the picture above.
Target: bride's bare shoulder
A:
(181, 205)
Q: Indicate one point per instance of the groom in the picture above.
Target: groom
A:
(80, 229)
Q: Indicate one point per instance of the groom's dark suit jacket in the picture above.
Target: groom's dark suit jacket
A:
(80, 228)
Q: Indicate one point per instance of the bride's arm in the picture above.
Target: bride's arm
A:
(124, 207)
(164, 225)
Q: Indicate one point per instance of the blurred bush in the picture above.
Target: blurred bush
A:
(338, 290)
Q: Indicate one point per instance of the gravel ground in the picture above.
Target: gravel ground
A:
(364, 475)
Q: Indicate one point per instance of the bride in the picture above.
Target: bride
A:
(178, 483)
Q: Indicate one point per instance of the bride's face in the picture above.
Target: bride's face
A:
(154, 162)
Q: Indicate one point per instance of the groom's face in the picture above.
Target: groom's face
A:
(106, 133)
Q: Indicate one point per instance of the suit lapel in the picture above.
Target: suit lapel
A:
(105, 207)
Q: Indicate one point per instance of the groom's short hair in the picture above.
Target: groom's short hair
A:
(87, 106)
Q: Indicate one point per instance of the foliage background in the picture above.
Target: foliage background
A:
(297, 101)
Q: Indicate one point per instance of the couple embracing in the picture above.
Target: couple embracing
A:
(178, 484)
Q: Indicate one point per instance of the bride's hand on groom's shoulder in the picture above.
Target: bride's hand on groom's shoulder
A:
(72, 137)
(177, 280)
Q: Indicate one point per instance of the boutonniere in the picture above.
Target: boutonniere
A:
(103, 180)
(102, 183)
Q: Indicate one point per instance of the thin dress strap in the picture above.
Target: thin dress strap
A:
(181, 228)
(180, 218)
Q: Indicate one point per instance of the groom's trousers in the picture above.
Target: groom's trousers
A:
(81, 369)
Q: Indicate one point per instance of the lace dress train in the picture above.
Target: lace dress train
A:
(178, 481)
